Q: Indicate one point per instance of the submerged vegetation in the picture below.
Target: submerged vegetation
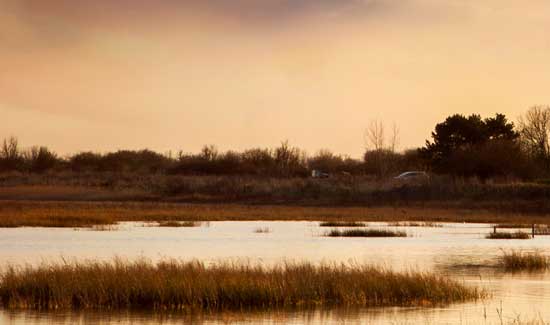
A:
(508, 235)
(519, 261)
(365, 233)
(175, 285)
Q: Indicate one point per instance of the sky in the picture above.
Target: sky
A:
(79, 75)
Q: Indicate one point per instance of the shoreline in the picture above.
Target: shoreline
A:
(19, 213)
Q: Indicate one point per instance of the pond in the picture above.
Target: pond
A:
(459, 250)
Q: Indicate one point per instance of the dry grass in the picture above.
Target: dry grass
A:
(508, 235)
(542, 230)
(104, 228)
(415, 224)
(519, 261)
(365, 233)
(175, 285)
(513, 226)
(342, 224)
(179, 224)
(87, 214)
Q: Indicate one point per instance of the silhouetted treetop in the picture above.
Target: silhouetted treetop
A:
(458, 130)
(459, 134)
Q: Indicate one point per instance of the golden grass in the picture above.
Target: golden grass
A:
(86, 214)
(175, 285)
(508, 235)
(365, 233)
(342, 224)
(519, 261)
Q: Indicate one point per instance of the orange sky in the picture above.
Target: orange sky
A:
(81, 75)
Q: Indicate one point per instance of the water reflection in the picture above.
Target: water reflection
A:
(458, 250)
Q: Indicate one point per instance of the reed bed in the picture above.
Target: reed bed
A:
(176, 285)
(519, 261)
(342, 224)
(508, 235)
(365, 233)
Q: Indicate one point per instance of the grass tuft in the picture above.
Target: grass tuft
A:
(365, 233)
(262, 230)
(508, 235)
(512, 226)
(179, 224)
(342, 224)
(187, 286)
(518, 261)
(415, 224)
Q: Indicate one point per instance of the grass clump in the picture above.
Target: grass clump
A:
(518, 261)
(172, 223)
(187, 286)
(365, 233)
(415, 224)
(264, 230)
(508, 235)
(513, 226)
(342, 224)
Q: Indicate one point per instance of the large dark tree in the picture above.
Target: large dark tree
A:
(459, 134)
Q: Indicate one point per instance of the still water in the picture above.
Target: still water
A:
(459, 250)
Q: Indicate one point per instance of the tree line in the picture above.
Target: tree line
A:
(466, 146)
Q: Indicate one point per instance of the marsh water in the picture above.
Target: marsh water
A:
(458, 250)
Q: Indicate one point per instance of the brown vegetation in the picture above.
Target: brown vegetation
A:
(414, 224)
(86, 214)
(264, 230)
(179, 224)
(365, 233)
(519, 261)
(174, 285)
(342, 224)
(508, 235)
(439, 192)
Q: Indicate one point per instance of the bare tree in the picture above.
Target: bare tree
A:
(380, 157)
(535, 131)
(374, 136)
(10, 149)
(10, 155)
(394, 140)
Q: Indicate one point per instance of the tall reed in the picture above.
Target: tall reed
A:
(176, 285)
(365, 233)
(518, 261)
